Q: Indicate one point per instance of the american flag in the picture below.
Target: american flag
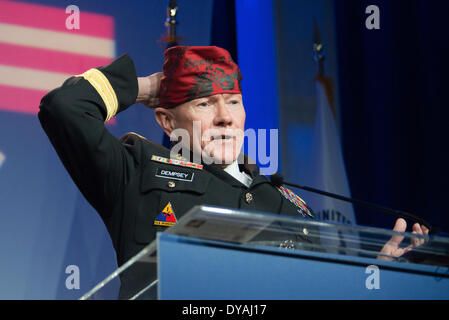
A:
(38, 52)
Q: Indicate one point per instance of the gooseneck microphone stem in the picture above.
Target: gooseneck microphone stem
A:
(277, 180)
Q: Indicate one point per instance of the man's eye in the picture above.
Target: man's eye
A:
(202, 104)
(234, 102)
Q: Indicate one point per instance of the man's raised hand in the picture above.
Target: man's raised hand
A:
(149, 90)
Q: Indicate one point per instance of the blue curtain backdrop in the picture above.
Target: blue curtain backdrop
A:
(223, 30)
(394, 106)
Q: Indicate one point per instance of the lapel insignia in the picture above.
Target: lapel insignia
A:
(177, 162)
(303, 209)
(167, 217)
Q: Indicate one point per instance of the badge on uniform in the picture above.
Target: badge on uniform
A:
(303, 209)
(177, 162)
(167, 217)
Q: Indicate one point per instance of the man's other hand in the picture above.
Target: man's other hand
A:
(392, 247)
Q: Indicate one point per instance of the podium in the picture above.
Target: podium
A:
(224, 254)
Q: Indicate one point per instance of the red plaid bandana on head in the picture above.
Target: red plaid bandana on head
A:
(196, 72)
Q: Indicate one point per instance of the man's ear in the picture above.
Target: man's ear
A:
(165, 118)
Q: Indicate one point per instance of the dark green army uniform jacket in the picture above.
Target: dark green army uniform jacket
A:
(118, 177)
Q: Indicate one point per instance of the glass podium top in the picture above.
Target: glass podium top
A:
(137, 278)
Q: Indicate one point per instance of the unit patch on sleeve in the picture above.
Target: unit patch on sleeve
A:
(166, 217)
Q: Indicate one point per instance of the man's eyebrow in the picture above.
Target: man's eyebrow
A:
(232, 96)
(202, 99)
(211, 98)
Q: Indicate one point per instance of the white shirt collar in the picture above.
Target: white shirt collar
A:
(234, 170)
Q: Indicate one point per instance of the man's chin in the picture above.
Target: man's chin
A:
(219, 154)
(222, 161)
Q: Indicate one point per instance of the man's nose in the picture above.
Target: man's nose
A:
(223, 116)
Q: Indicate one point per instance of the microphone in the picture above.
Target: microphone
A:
(278, 180)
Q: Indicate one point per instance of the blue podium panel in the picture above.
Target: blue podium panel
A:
(191, 268)
(219, 253)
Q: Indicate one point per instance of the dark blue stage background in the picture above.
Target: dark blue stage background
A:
(394, 106)
(391, 99)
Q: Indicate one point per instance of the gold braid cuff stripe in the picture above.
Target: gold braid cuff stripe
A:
(99, 81)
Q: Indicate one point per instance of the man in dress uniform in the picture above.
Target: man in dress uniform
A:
(132, 182)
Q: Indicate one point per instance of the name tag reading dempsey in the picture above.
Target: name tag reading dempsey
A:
(174, 174)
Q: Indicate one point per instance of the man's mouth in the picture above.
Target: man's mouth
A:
(221, 137)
